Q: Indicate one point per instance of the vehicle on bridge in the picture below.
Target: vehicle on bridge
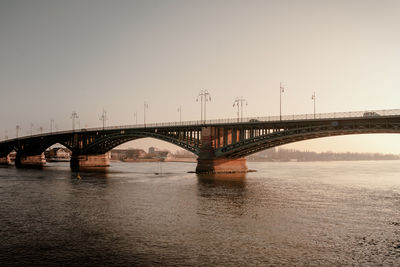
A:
(371, 114)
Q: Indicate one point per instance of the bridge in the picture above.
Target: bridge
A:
(221, 145)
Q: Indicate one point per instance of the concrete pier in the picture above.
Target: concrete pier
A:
(207, 162)
(221, 165)
(30, 161)
(5, 160)
(89, 161)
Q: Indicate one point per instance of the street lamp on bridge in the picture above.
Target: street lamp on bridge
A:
(239, 103)
(180, 114)
(313, 98)
(74, 116)
(204, 96)
(281, 90)
(103, 118)
(51, 125)
(17, 128)
(145, 106)
(135, 116)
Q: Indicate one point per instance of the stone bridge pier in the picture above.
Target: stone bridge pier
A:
(5, 160)
(208, 162)
(22, 160)
(79, 162)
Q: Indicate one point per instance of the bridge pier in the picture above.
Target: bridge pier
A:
(30, 160)
(5, 160)
(221, 165)
(208, 162)
(89, 161)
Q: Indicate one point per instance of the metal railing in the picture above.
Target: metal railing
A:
(299, 117)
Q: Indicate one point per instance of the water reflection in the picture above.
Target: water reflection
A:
(223, 176)
(127, 216)
(98, 172)
(224, 195)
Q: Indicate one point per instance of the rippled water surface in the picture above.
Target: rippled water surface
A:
(335, 213)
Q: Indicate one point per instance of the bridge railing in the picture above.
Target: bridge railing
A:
(299, 117)
(334, 115)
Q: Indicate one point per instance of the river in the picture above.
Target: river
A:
(291, 214)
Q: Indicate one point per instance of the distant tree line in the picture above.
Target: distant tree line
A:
(282, 154)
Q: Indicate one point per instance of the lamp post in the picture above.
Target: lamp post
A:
(313, 98)
(51, 125)
(204, 96)
(103, 118)
(239, 103)
(281, 90)
(201, 104)
(135, 116)
(74, 116)
(41, 129)
(180, 114)
(207, 97)
(31, 129)
(17, 128)
(145, 106)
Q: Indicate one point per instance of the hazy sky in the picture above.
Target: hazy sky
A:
(60, 56)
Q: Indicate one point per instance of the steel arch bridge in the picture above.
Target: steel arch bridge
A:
(220, 145)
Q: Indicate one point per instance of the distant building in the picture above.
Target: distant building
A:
(159, 154)
(58, 154)
(12, 155)
(152, 151)
(127, 154)
(184, 154)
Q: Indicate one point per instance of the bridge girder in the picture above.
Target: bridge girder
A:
(259, 143)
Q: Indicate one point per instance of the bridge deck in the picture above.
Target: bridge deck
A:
(265, 120)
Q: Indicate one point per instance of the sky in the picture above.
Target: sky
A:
(85, 55)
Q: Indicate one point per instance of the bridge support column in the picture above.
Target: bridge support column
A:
(30, 160)
(5, 160)
(89, 161)
(209, 163)
(221, 165)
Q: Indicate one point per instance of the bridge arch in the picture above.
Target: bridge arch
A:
(107, 142)
(49, 143)
(32, 147)
(6, 149)
(263, 142)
